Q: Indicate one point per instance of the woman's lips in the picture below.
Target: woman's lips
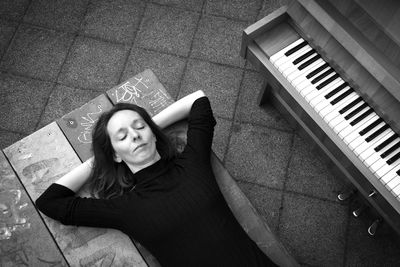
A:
(139, 146)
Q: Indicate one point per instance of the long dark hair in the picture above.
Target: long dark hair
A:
(111, 179)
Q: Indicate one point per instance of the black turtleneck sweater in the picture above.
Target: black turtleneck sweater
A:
(176, 209)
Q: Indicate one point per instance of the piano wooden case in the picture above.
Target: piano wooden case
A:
(363, 47)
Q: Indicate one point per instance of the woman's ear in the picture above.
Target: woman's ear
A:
(117, 158)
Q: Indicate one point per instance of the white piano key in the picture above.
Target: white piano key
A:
(335, 108)
(285, 62)
(366, 154)
(389, 176)
(349, 133)
(393, 183)
(322, 92)
(282, 52)
(294, 68)
(386, 168)
(360, 145)
(396, 190)
(380, 162)
(305, 71)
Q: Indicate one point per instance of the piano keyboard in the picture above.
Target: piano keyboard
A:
(344, 110)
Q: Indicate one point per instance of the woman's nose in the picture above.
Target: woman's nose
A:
(135, 135)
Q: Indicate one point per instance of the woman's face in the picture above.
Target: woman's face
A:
(132, 139)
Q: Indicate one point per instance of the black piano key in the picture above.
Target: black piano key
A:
(322, 75)
(390, 150)
(336, 90)
(303, 57)
(393, 159)
(361, 117)
(356, 111)
(350, 105)
(370, 127)
(376, 133)
(296, 48)
(309, 62)
(398, 172)
(317, 70)
(386, 142)
(327, 81)
(341, 97)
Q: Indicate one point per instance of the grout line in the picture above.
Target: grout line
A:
(190, 52)
(61, 68)
(286, 177)
(132, 44)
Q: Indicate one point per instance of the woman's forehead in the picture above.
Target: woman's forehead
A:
(122, 119)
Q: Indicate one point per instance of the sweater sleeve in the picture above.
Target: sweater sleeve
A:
(201, 123)
(60, 203)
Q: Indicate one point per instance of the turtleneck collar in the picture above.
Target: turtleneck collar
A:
(146, 175)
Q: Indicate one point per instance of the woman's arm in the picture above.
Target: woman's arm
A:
(76, 178)
(177, 111)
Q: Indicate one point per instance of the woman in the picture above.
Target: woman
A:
(168, 202)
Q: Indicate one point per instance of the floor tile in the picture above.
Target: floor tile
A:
(221, 137)
(167, 29)
(364, 250)
(270, 6)
(259, 155)
(7, 138)
(63, 100)
(37, 52)
(313, 230)
(92, 64)
(21, 102)
(266, 201)
(194, 5)
(168, 68)
(220, 84)
(7, 29)
(116, 21)
(62, 15)
(248, 109)
(218, 40)
(13, 9)
(237, 9)
(308, 174)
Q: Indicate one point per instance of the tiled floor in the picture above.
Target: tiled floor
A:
(55, 55)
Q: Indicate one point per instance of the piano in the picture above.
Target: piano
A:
(332, 68)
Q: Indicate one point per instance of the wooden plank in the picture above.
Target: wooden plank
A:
(77, 125)
(24, 238)
(39, 160)
(145, 90)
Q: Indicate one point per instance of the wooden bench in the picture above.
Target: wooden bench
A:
(30, 238)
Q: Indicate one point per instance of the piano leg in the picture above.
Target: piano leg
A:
(264, 93)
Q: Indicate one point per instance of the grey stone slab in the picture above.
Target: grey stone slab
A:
(259, 155)
(270, 6)
(266, 201)
(62, 15)
(248, 109)
(63, 100)
(167, 29)
(7, 138)
(221, 137)
(238, 9)
(116, 21)
(21, 102)
(168, 68)
(220, 83)
(92, 64)
(7, 29)
(314, 230)
(308, 174)
(218, 40)
(195, 5)
(363, 250)
(37, 52)
(13, 9)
